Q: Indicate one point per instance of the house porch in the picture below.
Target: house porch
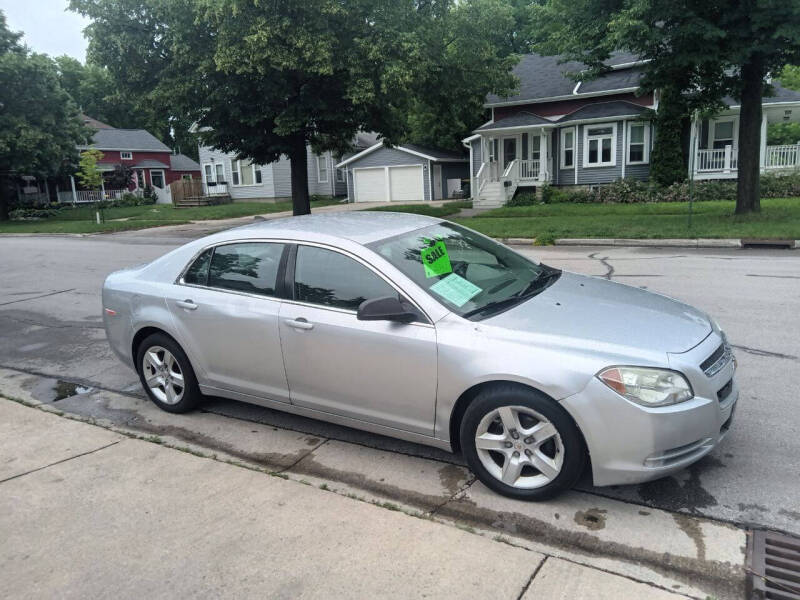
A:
(715, 143)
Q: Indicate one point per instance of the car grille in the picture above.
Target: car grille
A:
(725, 390)
(714, 363)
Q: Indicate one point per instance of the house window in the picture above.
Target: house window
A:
(322, 169)
(535, 147)
(220, 178)
(491, 148)
(243, 172)
(186, 177)
(340, 175)
(723, 134)
(599, 142)
(126, 155)
(638, 143)
(568, 148)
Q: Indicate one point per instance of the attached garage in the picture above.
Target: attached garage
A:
(401, 173)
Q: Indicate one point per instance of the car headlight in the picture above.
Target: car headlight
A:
(647, 386)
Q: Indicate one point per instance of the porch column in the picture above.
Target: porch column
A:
(762, 156)
(727, 159)
(74, 195)
(694, 144)
(543, 155)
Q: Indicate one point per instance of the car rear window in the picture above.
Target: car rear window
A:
(197, 274)
(250, 267)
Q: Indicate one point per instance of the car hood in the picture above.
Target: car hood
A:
(596, 310)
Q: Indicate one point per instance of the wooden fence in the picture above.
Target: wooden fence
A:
(190, 192)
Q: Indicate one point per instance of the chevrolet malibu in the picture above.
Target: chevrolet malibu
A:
(420, 329)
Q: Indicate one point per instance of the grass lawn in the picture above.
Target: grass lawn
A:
(779, 218)
(446, 209)
(82, 219)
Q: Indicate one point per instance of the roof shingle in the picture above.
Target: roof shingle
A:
(544, 77)
(127, 139)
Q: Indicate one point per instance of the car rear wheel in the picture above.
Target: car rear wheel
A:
(521, 443)
(166, 374)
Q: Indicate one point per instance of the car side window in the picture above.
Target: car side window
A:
(332, 279)
(248, 267)
(197, 273)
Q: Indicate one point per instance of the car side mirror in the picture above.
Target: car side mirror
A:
(386, 308)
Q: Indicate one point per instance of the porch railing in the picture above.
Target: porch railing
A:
(89, 196)
(512, 170)
(481, 177)
(717, 159)
(216, 188)
(529, 169)
(782, 157)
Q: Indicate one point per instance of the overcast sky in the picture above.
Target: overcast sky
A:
(48, 26)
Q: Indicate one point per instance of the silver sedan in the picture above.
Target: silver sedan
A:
(420, 329)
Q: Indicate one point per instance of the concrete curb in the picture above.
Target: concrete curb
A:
(648, 243)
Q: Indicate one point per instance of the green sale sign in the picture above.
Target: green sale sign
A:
(436, 260)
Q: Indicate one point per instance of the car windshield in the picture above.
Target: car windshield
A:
(470, 274)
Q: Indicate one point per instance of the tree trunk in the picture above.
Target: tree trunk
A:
(301, 205)
(748, 192)
(5, 198)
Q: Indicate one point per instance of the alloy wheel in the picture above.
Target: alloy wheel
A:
(163, 375)
(519, 447)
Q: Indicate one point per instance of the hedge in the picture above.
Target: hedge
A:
(627, 191)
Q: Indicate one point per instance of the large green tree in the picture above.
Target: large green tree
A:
(469, 50)
(264, 79)
(39, 124)
(707, 50)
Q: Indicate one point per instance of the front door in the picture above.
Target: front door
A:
(437, 182)
(509, 151)
(160, 186)
(375, 371)
(226, 311)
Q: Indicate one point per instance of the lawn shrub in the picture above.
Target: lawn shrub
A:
(523, 199)
(627, 191)
(31, 213)
(774, 185)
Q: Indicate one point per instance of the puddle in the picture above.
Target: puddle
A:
(65, 389)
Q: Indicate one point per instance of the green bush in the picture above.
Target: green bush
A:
(785, 185)
(149, 196)
(31, 213)
(626, 191)
(523, 199)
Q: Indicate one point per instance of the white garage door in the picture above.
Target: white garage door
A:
(370, 185)
(406, 183)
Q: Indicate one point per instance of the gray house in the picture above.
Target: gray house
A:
(244, 181)
(403, 173)
(558, 132)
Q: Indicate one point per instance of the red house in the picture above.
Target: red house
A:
(152, 162)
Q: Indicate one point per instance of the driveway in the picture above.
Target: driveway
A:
(50, 324)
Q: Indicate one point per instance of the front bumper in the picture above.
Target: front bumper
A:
(629, 443)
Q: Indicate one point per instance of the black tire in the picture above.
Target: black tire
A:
(191, 392)
(574, 452)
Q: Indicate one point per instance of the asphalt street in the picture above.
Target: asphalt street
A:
(50, 324)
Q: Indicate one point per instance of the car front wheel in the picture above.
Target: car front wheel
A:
(521, 443)
(166, 374)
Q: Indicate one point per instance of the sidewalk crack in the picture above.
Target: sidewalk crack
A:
(532, 577)
(58, 462)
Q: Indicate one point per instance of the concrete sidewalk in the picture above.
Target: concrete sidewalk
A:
(89, 512)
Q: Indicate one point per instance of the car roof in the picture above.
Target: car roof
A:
(361, 227)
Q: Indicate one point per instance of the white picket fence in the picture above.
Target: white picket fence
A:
(89, 196)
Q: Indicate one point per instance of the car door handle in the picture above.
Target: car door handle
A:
(187, 304)
(300, 323)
